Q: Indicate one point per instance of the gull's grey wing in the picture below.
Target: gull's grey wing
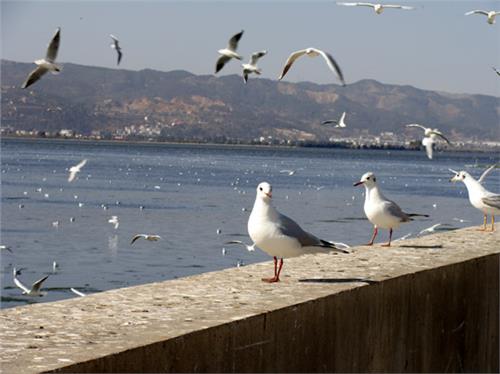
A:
(357, 4)
(332, 64)
(221, 62)
(289, 62)
(53, 46)
(329, 121)
(233, 42)
(38, 284)
(476, 12)
(393, 209)
(291, 228)
(485, 173)
(19, 284)
(405, 7)
(120, 54)
(496, 70)
(492, 200)
(255, 57)
(34, 76)
(440, 134)
(136, 237)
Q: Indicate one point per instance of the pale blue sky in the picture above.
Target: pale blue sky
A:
(434, 47)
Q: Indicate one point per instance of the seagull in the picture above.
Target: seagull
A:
(250, 248)
(55, 266)
(4, 247)
(378, 8)
(229, 52)
(35, 288)
(429, 138)
(480, 198)
(116, 46)
(490, 14)
(339, 123)
(75, 170)
(278, 235)
(496, 70)
(114, 220)
(251, 67)
(313, 52)
(382, 212)
(75, 291)
(151, 238)
(46, 64)
(288, 171)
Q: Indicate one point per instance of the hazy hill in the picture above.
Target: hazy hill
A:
(85, 98)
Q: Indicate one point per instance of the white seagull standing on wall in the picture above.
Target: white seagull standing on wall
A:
(280, 236)
(480, 198)
(380, 211)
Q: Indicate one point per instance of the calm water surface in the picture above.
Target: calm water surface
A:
(188, 194)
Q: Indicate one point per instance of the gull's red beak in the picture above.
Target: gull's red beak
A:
(269, 195)
(357, 183)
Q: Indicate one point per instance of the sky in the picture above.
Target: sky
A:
(435, 47)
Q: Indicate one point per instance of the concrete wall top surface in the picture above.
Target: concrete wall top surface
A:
(48, 336)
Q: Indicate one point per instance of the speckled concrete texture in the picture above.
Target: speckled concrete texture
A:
(426, 304)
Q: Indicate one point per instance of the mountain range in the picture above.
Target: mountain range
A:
(86, 98)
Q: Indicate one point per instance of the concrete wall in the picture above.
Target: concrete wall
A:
(427, 305)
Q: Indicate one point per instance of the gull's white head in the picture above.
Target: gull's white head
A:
(378, 8)
(368, 179)
(264, 191)
(459, 176)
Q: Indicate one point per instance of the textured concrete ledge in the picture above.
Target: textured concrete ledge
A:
(428, 305)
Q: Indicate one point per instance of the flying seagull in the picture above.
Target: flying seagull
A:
(339, 123)
(380, 211)
(75, 170)
(229, 52)
(116, 46)
(429, 138)
(480, 198)
(313, 52)
(250, 248)
(251, 67)
(489, 14)
(378, 8)
(35, 288)
(114, 221)
(280, 236)
(46, 64)
(151, 238)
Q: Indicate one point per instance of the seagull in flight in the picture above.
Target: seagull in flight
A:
(46, 64)
(378, 8)
(116, 46)
(313, 52)
(75, 170)
(151, 238)
(491, 15)
(229, 52)
(251, 67)
(340, 123)
(429, 138)
(250, 248)
(114, 221)
(35, 287)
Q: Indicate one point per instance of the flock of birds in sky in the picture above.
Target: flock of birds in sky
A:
(276, 234)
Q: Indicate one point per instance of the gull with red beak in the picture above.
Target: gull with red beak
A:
(280, 236)
(382, 212)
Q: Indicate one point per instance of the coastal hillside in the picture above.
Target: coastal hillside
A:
(178, 103)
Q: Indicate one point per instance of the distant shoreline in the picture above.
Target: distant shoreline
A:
(233, 145)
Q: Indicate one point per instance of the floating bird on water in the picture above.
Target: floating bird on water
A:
(75, 170)
(280, 236)
(150, 237)
(480, 198)
(251, 67)
(491, 15)
(378, 8)
(117, 47)
(313, 52)
(35, 287)
(339, 123)
(229, 52)
(380, 211)
(46, 64)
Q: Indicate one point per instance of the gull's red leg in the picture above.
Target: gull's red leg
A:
(375, 232)
(273, 279)
(388, 244)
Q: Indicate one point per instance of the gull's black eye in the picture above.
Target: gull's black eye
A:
(260, 188)
(464, 176)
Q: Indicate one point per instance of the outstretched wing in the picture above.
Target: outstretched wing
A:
(38, 284)
(221, 62)
(138, 236)
(34, 76)
(416, 125)
(233, 42)
(289, 62)
(405, 7)
(332, 64)
(19, 284)
(485, 173)
(329, 122)
(255, 57)
(357, 4)
(476, 12)
(440, 134)
(53, 46)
